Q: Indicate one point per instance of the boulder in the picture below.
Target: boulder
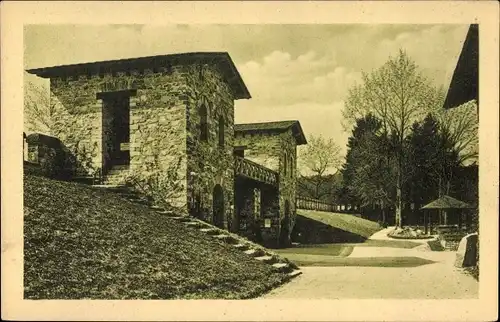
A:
(467, 251)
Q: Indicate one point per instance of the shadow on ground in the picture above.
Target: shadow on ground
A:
(332, 261)
(386, 243)
(342, 250)
(309, 231)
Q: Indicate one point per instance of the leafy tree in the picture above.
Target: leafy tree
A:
(368, 172)
(398, 95)
(424, 160)
(459, 126)
(433, 160)
(39, 112)
(328, 193)
(320, 157)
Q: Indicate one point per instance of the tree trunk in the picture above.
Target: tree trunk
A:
(382, 205)
(425, 221)
(317, 188)
(398, 199)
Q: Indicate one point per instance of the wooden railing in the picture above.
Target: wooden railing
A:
(315, 204)
(255, 171)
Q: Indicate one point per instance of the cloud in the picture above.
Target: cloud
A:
(280, 79)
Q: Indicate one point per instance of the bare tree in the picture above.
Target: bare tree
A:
(39, 111)
(318, 159)
(459, 126)
(398, 95)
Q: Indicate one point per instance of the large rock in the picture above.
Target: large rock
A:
(467, 251)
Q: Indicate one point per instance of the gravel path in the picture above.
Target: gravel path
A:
(383, 273)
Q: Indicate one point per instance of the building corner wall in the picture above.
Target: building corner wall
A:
(209, 164)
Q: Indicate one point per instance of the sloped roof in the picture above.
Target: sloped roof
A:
(277, 126)
(221, 59)
(447, 202)
(465, 79)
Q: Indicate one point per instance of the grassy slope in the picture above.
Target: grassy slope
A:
(345, 222)
(83, 243)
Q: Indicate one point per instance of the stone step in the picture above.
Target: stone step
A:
(156, 208)
(130, 196)
(182, 218)
(112, 187)
(266, 259)
(242, 246)
(115, 172)
(226, 238)
(196, 224)
(115, 175)
(114, 178)
(282, 267)
(120, 167)
(210, 231)
(254, 252)
(138, 201)
(294, 273)
(167, 213)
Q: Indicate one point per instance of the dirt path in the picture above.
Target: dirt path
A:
(383, 273)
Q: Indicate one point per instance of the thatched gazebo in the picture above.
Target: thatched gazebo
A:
(446, 202)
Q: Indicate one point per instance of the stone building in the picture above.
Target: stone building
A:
(175, 113)
(272, 145)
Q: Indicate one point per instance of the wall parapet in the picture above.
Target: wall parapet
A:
(255, 171)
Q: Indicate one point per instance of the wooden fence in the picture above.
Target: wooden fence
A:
(314, 204)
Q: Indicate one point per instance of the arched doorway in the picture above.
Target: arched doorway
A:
(218, 206)
(285, 226)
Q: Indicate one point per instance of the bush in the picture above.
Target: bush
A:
(52, 164)
(407, 233)
(435, 245)
(382, 224)
(161, 184)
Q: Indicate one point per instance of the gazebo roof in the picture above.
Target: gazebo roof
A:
(447, 202)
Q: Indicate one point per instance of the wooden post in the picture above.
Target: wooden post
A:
(425, 221)
(429, 219)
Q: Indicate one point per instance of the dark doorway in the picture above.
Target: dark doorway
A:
(285, 226)
(116, 129)
(218, 206)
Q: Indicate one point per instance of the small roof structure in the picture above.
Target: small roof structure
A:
(464, 82)
(277, 127)
(221, 59)
(447, 202)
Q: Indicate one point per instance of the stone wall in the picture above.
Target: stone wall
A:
(157, 116)
(209, 164)
(277, 152)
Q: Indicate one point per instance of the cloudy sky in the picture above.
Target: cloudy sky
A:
(292, 71)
